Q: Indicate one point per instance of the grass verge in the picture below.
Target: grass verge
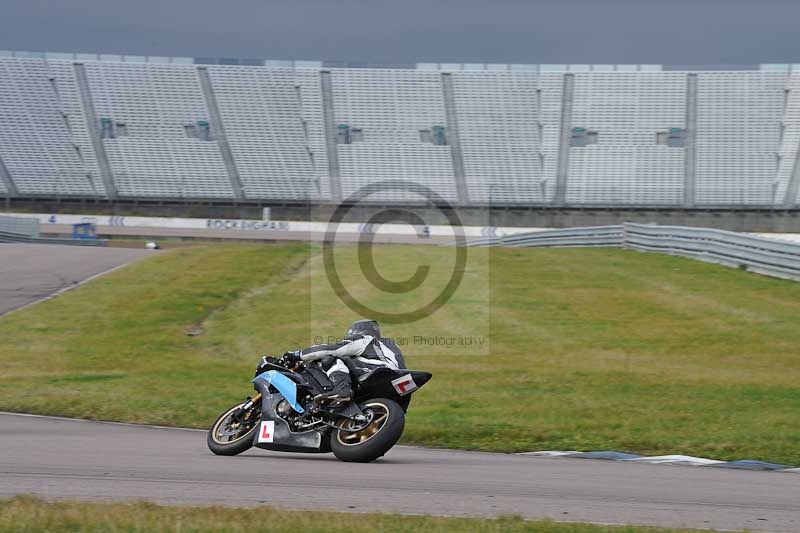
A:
(23, 513)
(588, 349)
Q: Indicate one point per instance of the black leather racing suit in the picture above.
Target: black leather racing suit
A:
(362, 352)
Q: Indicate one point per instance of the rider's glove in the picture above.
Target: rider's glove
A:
(291, 358)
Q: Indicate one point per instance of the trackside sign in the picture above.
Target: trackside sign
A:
(253, 225)
(225, 224)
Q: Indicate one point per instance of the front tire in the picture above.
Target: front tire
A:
(379, 434)
(230, 437)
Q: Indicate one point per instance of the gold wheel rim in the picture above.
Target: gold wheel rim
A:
(215, 431)
(380, 415)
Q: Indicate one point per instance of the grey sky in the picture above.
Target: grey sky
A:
(685, 32)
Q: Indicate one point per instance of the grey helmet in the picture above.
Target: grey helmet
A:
(364, 327)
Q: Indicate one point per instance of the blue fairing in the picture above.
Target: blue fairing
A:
(285, 386)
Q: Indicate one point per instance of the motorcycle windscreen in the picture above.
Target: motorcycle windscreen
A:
(285, 386)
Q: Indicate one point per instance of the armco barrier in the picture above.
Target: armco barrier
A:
(757, 254)
(7, 237)
(591, 236)
(19, 226)
(606, 236)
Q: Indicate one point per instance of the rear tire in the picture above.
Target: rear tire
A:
(376, 438)
(224, 427)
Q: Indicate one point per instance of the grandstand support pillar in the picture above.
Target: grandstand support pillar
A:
(218, 129)
(94, 133)
(790, 200)
(331, 147)
(453, 138)
(562, 171)
(5, 178)
(690, 142)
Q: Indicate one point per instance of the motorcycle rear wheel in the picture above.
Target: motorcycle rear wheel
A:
(226, 438)
(379, 434)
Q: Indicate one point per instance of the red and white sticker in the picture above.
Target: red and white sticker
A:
(404, 385)
(267, 431)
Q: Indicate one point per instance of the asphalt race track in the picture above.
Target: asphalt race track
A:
(30, 272)
(73, 459)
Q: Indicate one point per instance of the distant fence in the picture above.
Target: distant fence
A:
(6, 237)
(756, 254)
(24, 229)
(28, 227)
(591, 236)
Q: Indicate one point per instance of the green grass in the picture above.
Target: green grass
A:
(588, 349)
(22, 514)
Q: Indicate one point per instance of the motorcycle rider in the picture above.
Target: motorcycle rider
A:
(362, 350)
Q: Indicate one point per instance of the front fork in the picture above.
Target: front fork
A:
(245, 408)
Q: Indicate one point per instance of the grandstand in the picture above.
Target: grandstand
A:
(116, 128)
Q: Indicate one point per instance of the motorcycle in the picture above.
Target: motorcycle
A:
(284, 416)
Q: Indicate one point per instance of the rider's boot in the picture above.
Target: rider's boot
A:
(342, 391)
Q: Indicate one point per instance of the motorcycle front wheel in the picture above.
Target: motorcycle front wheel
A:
(231, 435)
(364, 442)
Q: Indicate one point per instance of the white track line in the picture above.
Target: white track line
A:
(109, 422)
(75, 285)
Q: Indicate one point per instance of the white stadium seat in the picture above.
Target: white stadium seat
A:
(391, 107)
(37, 129)
(626, 166)
(156, 158)
(163, 129)
(738, 128)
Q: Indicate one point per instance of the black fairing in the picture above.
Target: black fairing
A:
(378, 384)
